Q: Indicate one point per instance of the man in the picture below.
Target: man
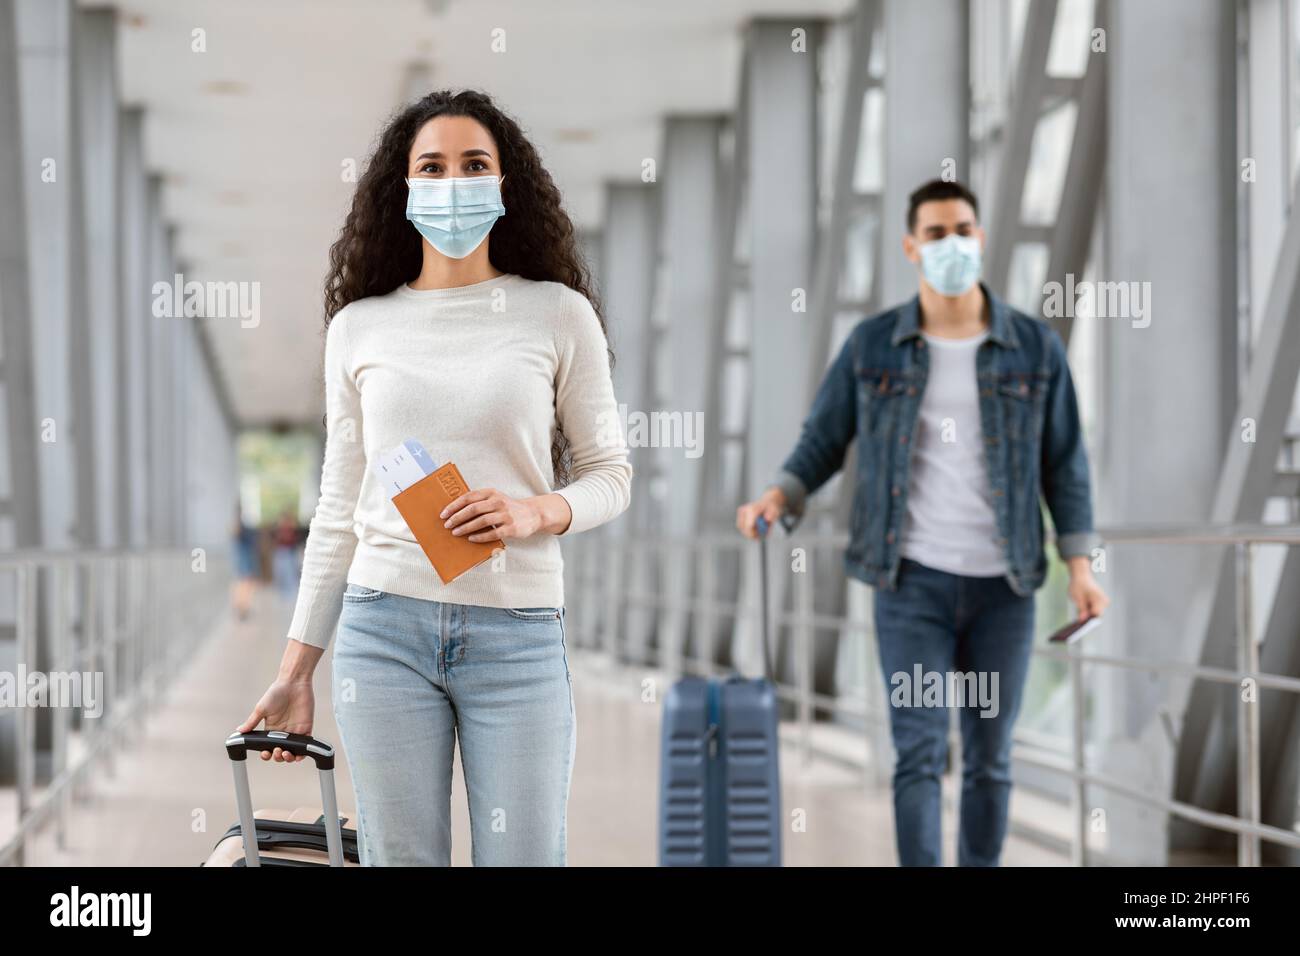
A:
(965, 417)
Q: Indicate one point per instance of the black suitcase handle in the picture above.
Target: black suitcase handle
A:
(300, 745)
(237, 746)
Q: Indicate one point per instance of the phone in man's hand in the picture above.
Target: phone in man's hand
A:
(1074, 630)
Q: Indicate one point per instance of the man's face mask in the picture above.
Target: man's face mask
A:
(951, 265)
(454, 215)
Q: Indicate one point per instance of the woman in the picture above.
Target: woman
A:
(458, 313)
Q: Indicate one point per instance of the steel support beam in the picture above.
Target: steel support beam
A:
(1243, 488)
(1076, 216)
(1018, 135)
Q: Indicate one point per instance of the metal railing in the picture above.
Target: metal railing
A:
(604, 595)
(121, 620)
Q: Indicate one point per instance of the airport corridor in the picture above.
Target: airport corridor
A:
(178, 772)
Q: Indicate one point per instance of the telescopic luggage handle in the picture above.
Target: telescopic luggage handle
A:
(762, 526)
(300, 745)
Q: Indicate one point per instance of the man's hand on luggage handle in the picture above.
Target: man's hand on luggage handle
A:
(289, 703)
(771, 505)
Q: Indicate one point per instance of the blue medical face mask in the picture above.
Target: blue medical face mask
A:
(951, 265)
(456, 214)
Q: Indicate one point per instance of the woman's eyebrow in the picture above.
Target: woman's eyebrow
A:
(468, 152)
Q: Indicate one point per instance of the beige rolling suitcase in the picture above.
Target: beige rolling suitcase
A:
(307, 836)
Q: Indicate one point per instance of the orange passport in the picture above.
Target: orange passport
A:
(420, 504)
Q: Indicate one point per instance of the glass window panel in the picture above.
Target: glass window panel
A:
(876, 62)
(1071, 36)
(735, 393)
(1019, 14)
(868, 168)
(733, 456)
(662, 368)
(741, 247)
(738, 320)
(1025, 281)
(1049, 157)
(1295, 90)
(659, 305)
(832, 78)
(857, 271)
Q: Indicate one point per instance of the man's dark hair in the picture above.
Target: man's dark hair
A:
(938, 189)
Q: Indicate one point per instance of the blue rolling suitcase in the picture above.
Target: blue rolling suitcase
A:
(719, 781)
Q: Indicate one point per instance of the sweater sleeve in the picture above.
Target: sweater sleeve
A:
(587, 413)
(331, 538)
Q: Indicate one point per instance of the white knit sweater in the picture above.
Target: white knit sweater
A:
(482, 375)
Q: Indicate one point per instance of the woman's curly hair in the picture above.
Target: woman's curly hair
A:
(378, 249)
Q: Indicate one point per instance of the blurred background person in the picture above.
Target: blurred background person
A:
(286, 537)
(247, 559)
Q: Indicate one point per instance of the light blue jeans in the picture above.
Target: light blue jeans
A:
(409, 677)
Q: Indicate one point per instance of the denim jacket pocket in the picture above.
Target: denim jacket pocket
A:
(879, 396)
(1022, 398)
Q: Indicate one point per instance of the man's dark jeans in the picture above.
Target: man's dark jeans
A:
(949, 623)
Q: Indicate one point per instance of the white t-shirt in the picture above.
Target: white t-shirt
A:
(950, 523)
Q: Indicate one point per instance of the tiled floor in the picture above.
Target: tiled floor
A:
(171, 794)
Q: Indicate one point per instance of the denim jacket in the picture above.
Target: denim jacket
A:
(1029, 419)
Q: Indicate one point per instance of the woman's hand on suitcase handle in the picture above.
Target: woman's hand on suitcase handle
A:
(770, 506)
(290, 702)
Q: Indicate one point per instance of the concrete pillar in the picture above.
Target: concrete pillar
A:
(690, 196)
(44, 35)
(134, 245)
(1171, 385)
(780, 155)
(161, 368)
(15, 305)
(97, 138)
(627, 286)
(180, 426)
(781, 158)
(627, 260)
(79, 429)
